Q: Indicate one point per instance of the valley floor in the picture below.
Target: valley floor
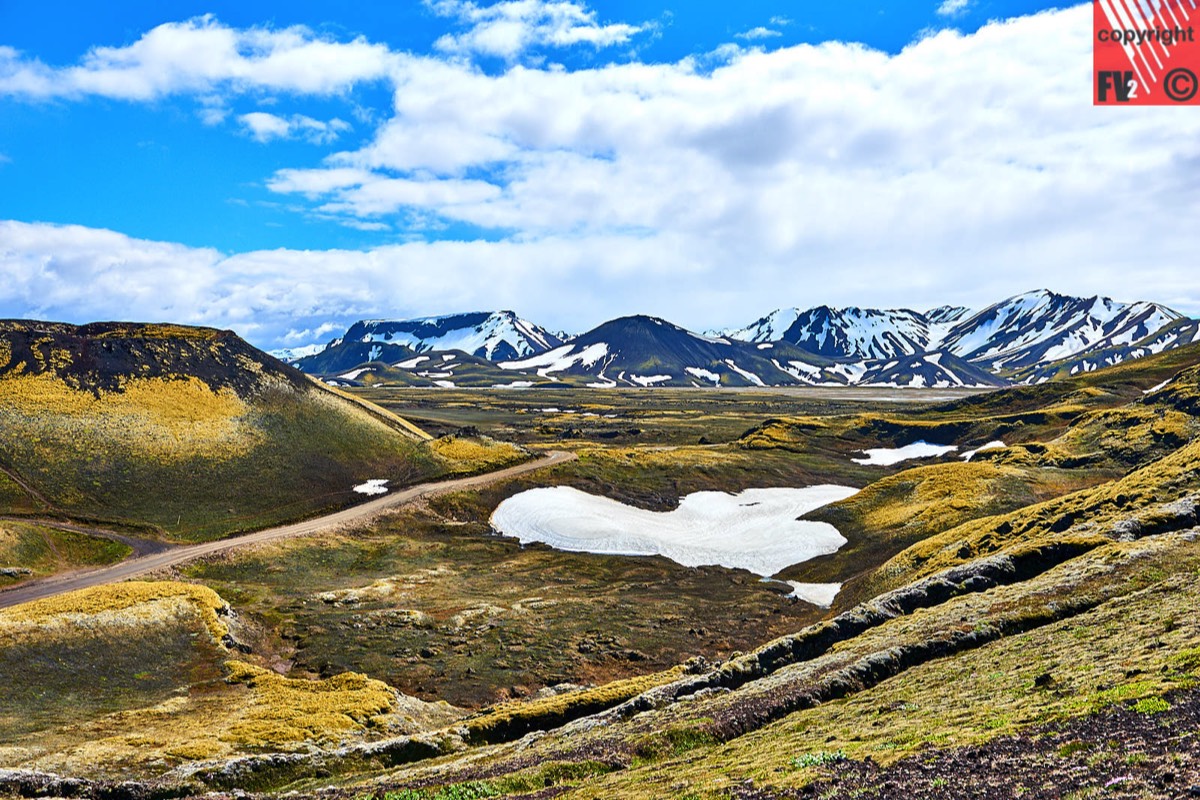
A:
(1021, 624)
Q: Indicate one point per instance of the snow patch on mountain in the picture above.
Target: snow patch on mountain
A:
(492, 335)
(290, 354)
(560, 359)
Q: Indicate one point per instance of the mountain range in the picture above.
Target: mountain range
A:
(1029, 338)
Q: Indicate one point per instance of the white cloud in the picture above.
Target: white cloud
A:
(507, 29)
(306, 335)
(201, 55)
(953, 8)
(758, 33)
(359, 192)
(963, 169)
(265, 127)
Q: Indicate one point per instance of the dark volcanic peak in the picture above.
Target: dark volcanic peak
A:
(346, 356)
(105, 355)
(648, 351)
(494, 335)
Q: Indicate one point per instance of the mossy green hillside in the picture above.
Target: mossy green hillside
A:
(118, 680)
(194, 434)
(43, 550)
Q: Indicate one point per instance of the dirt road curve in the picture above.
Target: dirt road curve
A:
(59, 584)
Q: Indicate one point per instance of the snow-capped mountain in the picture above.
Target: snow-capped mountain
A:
(1043, 327)
(863, 333)
(768, 329)
(289, 355)
(941, 321)
(342, 356)
(859, 332)
(1028, 338)
(496, 335)
(647, 351)
(1024, 338)
(1175, 334)
(951, 314)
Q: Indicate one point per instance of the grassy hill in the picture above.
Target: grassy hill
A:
(189, 432)
(1019, 625)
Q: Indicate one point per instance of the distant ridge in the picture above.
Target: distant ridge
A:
(1028, 338)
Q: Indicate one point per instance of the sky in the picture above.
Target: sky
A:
(284, 169)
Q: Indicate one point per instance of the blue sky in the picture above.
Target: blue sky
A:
(284, 168)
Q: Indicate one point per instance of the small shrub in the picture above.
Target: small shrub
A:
(1151, 705)
(818, 759)
(1071, 748)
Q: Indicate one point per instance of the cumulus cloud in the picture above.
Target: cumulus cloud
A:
(953, 8)
(758, 33)
(507, 29)
(201, 55)
(317, 333)
(265, 127)
(797, 150)
(963, 169)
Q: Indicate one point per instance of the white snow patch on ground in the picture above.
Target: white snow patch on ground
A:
(372, 487)
(996, 445)
(1154, 389)
(412, 362)
(353, 374)
(885, 456)
(756, 530)
(819, 594)
(444, 384)
(513, 385)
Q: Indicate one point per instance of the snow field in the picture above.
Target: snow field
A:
(886, 456)
(756, 530)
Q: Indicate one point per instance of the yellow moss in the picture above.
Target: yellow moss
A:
(133, 599)
(166, 418)
(1084, 518)
(930, 498)
(661, 457)
(1129, 433)
(781, 432)
(375, 411)
(474, 455)
(5, 353)
(284, 710)
(559, 707)
(159, 331)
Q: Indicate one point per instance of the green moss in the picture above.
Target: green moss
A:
(516, 719)
(43, 550)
